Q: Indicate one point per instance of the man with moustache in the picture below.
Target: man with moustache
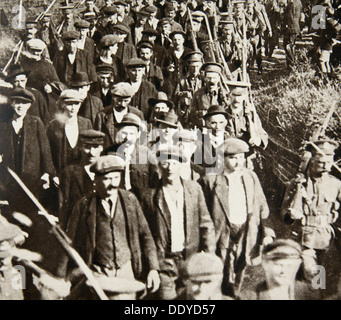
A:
(110, 232)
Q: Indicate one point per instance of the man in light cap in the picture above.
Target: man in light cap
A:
(310, 207)
(239, 211)
(281, 261)
(107, 119)
(212, 93)
(178, 219)
(110, 232)
(41, 72)
(63, 131)
(71, 59)
(76, 179)
(203, 273)
(142, 90)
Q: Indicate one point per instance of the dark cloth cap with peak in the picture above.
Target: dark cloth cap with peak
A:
(22, 95)
(92, 137)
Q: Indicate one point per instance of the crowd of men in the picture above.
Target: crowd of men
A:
(133, 125)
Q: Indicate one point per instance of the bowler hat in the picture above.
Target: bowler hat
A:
(216, 109)
(235, 146)
(79, 79)
(92, 137)
(162, 97)
(106, 164)
(22, 95)
(15, 70)
(168, 118)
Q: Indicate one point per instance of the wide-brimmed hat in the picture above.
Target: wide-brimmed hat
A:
(161, 98)
(168, 118)
(216, 109)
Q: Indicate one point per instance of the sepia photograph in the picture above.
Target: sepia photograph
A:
(170, 154)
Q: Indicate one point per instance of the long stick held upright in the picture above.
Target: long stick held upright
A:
(62, 238)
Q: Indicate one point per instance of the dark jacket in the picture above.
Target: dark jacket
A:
(59, 144)
(105, 122)
(82, 231)
(199, 229)
(83, 63)
(90, 107)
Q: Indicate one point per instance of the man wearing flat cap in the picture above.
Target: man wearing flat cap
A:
(41, 72)
(106, 120)
(137, 27)
(105, 25)
(126, 50)
(142, 90)
(110, 232)
(71, 59)
(105, 80)
(311, 207)
(153, 74)
(76, 179)
(282, 260)
(63, 131)
(179, 220)
(122, 16)
(212, 93)
(18, 77)
(174, 62)
(85, 42)
(25, 149)
(239, 210)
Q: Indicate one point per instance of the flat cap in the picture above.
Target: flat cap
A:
(282, 249)
(136, 63)
(212, 67)
(110, 11)
(150, 31)
(89, 15)
(105, 68)
(122, 89)
(202, 266)
(121, 28)
(108, 40)
(106, 164)
(171, 153)
(22, 95)
(92, 137)
(150, 9)
(144, 44)
(82, 24)
(242, 84)
(70, 35)
(70, 95)
(194, 56)
(185, 135)
(130, 119)
(36, 44)
(327, 146)
(163, 21)
(235, 146)
(168, 118)
(9, 231)
(216, 109)
(172, 34)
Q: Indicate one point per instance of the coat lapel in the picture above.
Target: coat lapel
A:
(91, 221)
(163, 208)
(189, 210)
(222, 190)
